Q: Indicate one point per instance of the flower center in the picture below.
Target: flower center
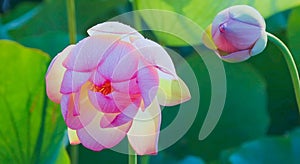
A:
(223, 27)
(105, 88)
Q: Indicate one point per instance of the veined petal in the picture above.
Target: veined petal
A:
(72, 81)
(97, 79)
(107, 118)
(126, 67)
(172, 90)
(114, 120)
(222, 17)
(88, 141)
(236, 56)
(222, 43)
(144, 132)
(109, 121)
(77, 109)
(147, 78)
(241, 35)
(155, 55)
(113, 28)
(247, 14)
(116, 65)
(73, 138)
(111, 103)
(260, 44)
(89, 52)
(129, 86)
(70, 111)
(55, 74)
(96, 138)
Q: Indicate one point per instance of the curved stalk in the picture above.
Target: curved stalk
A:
(291, 65)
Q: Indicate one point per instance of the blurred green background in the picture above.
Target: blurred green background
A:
(260, 121)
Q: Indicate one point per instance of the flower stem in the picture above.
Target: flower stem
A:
(74, 154)
(72, 36)
(291, 65)
(144, 159)
(136, 16)
(132, 157)
(71, 20)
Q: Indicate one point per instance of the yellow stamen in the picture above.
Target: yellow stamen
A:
(105, 88)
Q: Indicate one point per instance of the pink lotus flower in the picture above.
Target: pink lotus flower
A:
(111, 84)
(237, 33)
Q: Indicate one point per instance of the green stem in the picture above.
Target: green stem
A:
(71, 21)
(144, 159)
(136, 16)
(132, 157)
(72, 36)
(74, 154)
(291, 65)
